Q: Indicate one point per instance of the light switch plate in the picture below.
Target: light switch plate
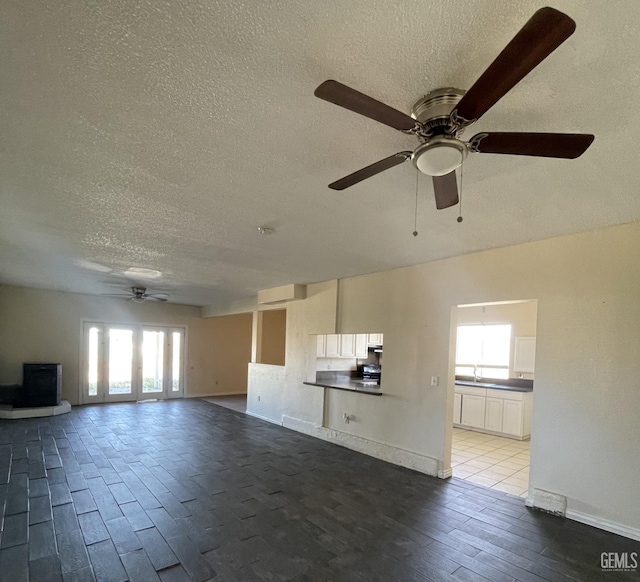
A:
(434, 380)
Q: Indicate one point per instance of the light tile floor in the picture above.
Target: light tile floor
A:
(237, 402)
(496, 462)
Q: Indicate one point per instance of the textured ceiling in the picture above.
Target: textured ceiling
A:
(160, 134)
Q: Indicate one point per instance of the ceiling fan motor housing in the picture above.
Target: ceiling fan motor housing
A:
(440, 153)
(433, 111)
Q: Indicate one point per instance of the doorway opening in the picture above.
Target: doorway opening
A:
(493, 361)
(124, 363)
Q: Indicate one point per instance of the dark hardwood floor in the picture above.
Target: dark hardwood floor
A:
(187, 490)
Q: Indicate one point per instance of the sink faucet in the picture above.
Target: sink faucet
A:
(476, 376)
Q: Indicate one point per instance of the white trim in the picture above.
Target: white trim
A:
(388, 453)
(301, 425)
(445, 473)
(605, 524)
(214, 394)
(271, 420)
(137, 327)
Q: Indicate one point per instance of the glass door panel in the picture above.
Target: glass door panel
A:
(93, 363)
(122, 362)
(176, 386)
(94, 358)
(153, 362)
(119, 364)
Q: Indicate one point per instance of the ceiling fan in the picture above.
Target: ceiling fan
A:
(140, 295)
(439, 118)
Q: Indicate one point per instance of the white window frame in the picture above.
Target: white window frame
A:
(480, 364)
(137, 395)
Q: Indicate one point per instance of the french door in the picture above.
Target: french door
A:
(131, 362)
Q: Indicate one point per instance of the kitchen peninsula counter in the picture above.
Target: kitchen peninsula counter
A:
(343, 381)
(511, 385)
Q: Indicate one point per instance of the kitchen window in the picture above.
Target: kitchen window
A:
(483, 350)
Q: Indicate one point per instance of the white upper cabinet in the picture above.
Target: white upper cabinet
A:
(524, 358)
(333, 346)
(348, 345)
(374, 339)
(361, 345)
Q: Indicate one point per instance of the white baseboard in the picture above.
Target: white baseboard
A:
(301, 426)
(271, 420)
(445, 473)
(605, 524)
(547, 501)
(214, 394)
(381, 451)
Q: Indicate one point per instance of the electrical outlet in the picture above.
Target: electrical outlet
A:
(346, 417)
(434, 380)
(259, 398)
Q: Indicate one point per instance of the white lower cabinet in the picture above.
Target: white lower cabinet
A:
(457, 408)
(473, 409)
(493, 410)
(513, 417)
(494, 414)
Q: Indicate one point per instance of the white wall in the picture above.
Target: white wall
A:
(39, 325)
(587, 399)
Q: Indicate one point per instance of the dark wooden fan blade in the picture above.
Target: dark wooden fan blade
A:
(348, 98)
(547, 145)
(445, 189)
(369, 171)
(161, 298)
(545, 31)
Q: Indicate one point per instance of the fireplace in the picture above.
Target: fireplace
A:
(41, 386)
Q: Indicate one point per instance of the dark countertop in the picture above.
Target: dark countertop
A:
(494, 386)
(373, 390)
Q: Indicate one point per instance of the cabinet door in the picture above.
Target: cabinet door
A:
(361, 345)
(493, 414)
(348, 345)
(321, 346)
(333, 346)
(457, 408)
(512, 420)
(375, 339)
(473, 410)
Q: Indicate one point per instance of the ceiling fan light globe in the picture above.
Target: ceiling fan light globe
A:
(440, 158)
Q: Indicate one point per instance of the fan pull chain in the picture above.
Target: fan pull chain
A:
(460, 219)
(415, 218)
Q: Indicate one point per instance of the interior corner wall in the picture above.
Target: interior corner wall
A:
(276, 393)
(273, 336)
(586, 435)
(40, 325)
(229, 347)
